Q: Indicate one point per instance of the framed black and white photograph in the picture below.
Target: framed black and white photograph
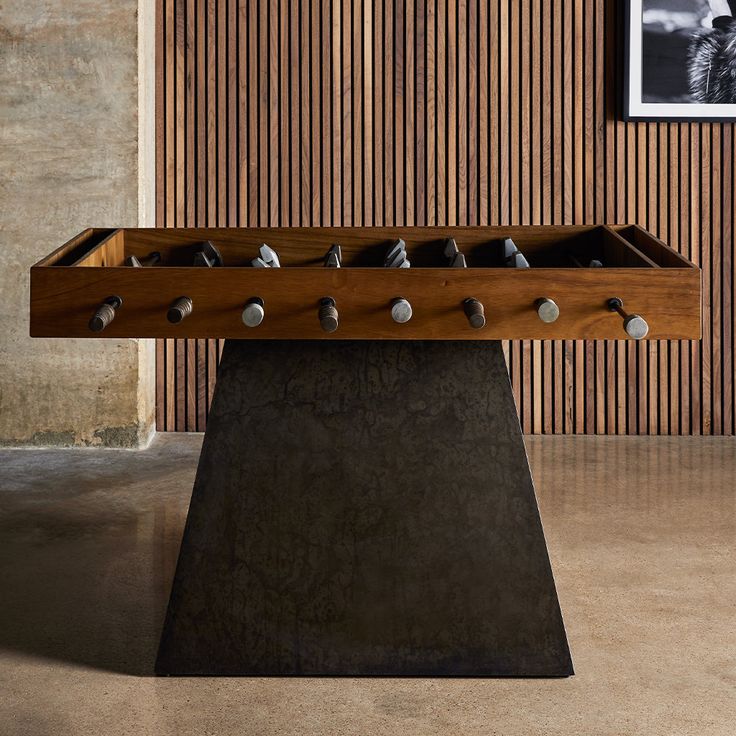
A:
(681, 60)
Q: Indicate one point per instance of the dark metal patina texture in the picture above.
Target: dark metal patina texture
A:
(363, 508)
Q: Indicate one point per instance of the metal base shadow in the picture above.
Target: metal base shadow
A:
(363, 508)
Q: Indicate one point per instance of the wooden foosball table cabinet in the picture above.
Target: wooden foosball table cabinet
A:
(363, 503)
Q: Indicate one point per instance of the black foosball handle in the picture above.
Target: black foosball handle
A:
(179, 310)
(105, 313)
(475, 313)
(329, 319)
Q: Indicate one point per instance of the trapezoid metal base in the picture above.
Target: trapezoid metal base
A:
(363, 508)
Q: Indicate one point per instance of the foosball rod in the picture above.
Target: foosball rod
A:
(635, 325)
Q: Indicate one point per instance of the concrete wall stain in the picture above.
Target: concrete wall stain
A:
(69, 96)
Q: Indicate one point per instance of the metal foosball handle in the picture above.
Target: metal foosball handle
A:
(635, 325)
(253, 312)
(181, 308)
(547, 310)
(328, 315)
(401, 310)
(105, 313)
(475, 313)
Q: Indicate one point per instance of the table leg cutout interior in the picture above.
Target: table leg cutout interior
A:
(363, 508)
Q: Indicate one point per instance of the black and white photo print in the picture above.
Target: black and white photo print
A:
(681, 60)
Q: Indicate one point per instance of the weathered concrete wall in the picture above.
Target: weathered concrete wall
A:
(69, 159)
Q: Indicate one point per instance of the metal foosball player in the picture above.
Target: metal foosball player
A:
(363, 503)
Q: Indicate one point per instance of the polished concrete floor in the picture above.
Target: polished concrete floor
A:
(642, 535)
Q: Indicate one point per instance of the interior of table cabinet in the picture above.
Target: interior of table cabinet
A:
(543, 247)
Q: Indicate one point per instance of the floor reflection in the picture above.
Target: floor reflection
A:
(89, 539)
(641, 533)
(89, 545)
(648, 476)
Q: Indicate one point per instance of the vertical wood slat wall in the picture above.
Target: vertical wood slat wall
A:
(349, 112)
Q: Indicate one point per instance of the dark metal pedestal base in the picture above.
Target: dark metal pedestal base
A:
(363, 508)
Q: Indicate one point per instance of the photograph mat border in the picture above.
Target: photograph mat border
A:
(634, 108)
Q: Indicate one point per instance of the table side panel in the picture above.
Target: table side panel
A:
(63, 300)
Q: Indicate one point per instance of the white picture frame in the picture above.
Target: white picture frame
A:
(635, 108)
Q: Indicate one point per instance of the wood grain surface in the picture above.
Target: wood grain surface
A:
(64, 297)
(340, 112)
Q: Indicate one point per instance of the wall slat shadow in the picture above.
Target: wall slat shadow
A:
(320, 112)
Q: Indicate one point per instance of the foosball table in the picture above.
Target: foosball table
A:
(363, 503)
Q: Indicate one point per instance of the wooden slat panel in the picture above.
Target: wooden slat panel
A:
(442, 112)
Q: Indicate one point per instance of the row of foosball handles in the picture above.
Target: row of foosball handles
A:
(254, 313)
